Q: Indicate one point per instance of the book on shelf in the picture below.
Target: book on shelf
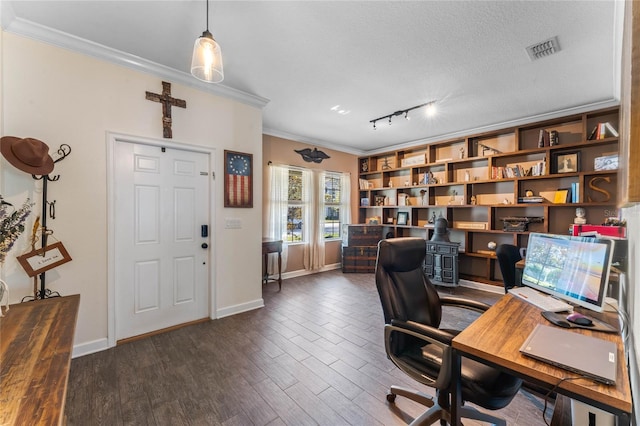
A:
(575, 192)
(533, 199)
(562, 196)
(470, 225)
(602, 131)
(487, 252)
(543, 138)
(527, 168)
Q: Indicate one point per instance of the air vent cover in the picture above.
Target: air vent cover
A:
(542, 49)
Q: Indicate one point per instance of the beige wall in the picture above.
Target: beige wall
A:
(281, 151)
(60, 97)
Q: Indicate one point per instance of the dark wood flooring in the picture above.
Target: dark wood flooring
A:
(313, 356)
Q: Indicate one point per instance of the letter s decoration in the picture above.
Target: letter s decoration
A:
(592, 185)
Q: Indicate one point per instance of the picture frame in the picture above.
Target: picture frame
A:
(41, 260)
(566, 162)
(238, 179)
(402, 218)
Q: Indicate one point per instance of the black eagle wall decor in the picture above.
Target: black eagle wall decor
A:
(312, 155)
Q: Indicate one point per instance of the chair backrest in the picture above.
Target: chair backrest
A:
(508, 255)
(405, 291)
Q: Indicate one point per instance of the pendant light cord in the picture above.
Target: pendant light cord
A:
(207, 15)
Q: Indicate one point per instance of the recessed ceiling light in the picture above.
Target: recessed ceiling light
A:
(340, 110)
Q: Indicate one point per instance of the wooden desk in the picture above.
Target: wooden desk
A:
(35, 355)
(497, 335)
(271, 246)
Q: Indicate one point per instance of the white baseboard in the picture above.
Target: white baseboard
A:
(481, 286)
(236, 309)
(303, 272)
(90, 347)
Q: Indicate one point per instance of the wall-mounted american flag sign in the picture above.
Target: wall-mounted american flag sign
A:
(238, 179)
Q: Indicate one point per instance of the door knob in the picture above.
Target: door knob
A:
(205, 245)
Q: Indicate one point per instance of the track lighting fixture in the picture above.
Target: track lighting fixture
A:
(430, 109)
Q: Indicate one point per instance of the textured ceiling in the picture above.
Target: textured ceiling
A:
(372, 58)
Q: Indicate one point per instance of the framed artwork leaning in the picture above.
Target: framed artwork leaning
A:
(238, 179)
(566, 162)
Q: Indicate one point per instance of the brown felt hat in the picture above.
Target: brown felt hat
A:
(27, 154)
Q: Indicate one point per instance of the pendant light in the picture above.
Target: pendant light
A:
(206, 63)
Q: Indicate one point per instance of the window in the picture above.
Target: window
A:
(295, 211)
(332, 202)
(300, 204)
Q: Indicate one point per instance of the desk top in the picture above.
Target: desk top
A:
(35, 354)
(497, 335)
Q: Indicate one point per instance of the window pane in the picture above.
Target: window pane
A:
(294, 224)
(295, 185)
(332, 189)
(332, 222)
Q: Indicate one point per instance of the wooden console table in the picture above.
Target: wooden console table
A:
(271, 246)
(35, 356)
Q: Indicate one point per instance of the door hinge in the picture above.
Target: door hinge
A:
(213, 174)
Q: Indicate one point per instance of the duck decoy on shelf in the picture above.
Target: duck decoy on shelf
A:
(312, 155)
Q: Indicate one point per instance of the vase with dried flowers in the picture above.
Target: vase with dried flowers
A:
(11, 226)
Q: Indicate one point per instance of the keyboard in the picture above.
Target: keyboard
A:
(541, 300)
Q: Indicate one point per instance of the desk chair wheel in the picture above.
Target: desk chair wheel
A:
(391, 397)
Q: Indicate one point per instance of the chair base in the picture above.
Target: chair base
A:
(436, 412)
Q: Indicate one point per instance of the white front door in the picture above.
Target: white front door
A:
(161, 267)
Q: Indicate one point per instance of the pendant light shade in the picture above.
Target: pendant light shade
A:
(206, 62)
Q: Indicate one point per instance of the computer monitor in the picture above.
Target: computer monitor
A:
(575, 269)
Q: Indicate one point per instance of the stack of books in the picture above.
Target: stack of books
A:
(533, 199)
(602, 131)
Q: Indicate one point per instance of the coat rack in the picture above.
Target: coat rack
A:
(63, 152)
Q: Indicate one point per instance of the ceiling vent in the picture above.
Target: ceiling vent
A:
(542, 49)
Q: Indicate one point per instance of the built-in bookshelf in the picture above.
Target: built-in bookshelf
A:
(496, 187)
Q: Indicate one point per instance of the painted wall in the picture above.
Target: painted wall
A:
(281, 151)
(59, 96)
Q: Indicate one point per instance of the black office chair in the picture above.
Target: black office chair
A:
(417, 346)
(508, 255)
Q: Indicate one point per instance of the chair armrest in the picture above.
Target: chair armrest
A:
(433, 333)
(428, 334)
(464, 303)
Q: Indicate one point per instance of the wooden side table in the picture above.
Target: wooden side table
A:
(271, 246)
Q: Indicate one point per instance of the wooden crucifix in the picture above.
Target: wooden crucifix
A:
(167, 102)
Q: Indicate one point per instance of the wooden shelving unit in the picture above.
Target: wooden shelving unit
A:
(457, 179)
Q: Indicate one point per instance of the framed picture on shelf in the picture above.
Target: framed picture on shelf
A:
(403, 218)
(566, 162)
(238, 179)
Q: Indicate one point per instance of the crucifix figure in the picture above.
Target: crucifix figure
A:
(167, 101)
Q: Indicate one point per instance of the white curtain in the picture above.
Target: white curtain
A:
(277, 214)
(313, 254)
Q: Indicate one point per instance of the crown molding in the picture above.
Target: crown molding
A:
(61, 39)
(316, 142)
